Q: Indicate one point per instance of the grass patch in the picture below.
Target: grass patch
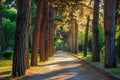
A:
(88, 58)
(5, 65)
(115, 72)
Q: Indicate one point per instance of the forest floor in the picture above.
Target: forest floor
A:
(63, 66)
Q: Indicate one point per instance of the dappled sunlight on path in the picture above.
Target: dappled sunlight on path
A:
(64, 67)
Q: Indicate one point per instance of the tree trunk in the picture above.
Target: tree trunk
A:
(37, 33)
(76, 37)
(42, 45)
(95, 33)
(43, 36)
(52, 42)
(86, 36)
(2, 36)
(18, 68)
(46, 29)
(72, 34)
(109, 25)
(69, 40)
(27, 36)
(42, 41)
(51, 24)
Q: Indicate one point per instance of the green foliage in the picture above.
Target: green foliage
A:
(101, 36)
(81, 37)
(9, 31)
(6, 54)
(101, 39)
(8, 2)
(58, 19)
(9, 13)
(118, 11)
(80, 41)
(61, 37)
(117, 49)
(59, 44)
(117, 31)
(102, 50)
(87, 58)
(34, 6)
(115, 72)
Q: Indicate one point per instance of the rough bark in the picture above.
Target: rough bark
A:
(37, 33)
(86, 36)
(109, 25)
(18, 68)
(95, 33)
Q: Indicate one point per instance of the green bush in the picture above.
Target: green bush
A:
(6, 54)
(103, 50)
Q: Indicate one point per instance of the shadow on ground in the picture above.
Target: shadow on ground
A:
(62, 66)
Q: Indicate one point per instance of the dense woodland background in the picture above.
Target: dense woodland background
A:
(88, 27)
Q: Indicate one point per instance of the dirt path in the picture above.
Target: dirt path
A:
(64, 67)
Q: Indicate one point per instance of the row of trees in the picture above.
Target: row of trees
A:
(52, 15)
(109, 29)
(43, 35)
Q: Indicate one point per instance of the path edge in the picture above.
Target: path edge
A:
(112, 77)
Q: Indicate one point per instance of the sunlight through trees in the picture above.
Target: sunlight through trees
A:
(33, 30)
